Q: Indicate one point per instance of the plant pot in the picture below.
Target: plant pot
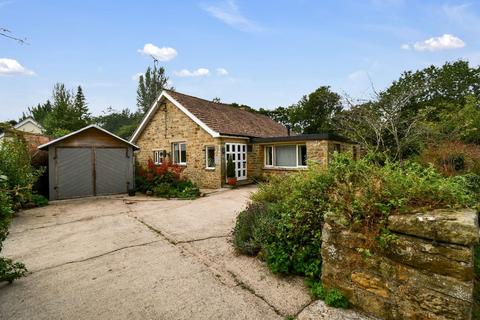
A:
(232, 181)
(131, 192)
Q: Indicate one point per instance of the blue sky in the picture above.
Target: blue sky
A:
(261, 53)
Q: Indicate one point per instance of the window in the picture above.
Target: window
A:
(302, 155)
(287, 156)
(180, 153)
(336, 147)
(158, 156)
(210, 157)
(268, 156)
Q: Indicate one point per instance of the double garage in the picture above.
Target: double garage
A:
(89, 162)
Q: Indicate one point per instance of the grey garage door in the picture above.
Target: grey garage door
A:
(74, 173)
(112, 171)
(84, 172)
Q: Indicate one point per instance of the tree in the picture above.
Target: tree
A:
(80, 105)
(316, 112)
(122, 123)
(39, 112)
(150, 85)
(69, 111)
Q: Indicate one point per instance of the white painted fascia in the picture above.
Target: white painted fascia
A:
(154, 107)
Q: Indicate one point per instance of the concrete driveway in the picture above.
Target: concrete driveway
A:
(145, 258)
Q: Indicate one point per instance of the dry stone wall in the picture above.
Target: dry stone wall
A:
(426, 273)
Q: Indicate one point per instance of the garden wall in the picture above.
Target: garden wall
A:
(426, 273)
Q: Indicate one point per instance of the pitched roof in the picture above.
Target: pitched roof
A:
(219, 118)
(94, 126)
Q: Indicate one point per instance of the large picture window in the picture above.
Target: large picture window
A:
(286, 156)
(180, 153)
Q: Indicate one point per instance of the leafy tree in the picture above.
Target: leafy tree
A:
(312, 114)
(38, 113)
(438, 87)
(420, 108)
(69, 111)
(281, 114)
(122, 123)
(316, 112)
(150, 85)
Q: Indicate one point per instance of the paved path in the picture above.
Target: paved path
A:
(143, 258)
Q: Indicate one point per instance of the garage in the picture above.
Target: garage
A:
(89, 162)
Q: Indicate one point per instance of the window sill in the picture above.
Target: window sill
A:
(180, 164)
(209, 169)
(285, 168)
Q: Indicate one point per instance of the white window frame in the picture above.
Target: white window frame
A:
(206, 157)
(265, 156)
(274, 157)
(158, 155)
(178, 161)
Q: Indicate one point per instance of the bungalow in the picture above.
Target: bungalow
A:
(201, 135)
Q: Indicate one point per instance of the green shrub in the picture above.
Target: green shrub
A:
(244, 232)
(335, 298)
(15, 164)
(317, 291)
(10, 270)
(332, 297)
(284, 222)
(365, 193)
(38, 200)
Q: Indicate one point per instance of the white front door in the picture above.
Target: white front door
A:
(238, 153)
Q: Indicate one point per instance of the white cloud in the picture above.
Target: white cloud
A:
(12, 67)
(184, 73)
(405, 46)
(222, 72)
(161, 54)
(447, 41)
(229, 13)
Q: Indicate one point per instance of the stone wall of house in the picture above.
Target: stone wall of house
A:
(426, 273)
(169, 125)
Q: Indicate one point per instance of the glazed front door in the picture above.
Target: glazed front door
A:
(238, 153)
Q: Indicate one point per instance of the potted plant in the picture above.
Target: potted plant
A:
(231, 178)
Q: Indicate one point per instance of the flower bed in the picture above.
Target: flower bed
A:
(165, 180)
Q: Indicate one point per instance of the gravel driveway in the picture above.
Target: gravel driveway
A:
(144, 258)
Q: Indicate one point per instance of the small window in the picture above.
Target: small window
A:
(180, 153)
(336, 147)
(210, 157)
(354, 152)
(302, 155)
(158, 156)
(268, 156)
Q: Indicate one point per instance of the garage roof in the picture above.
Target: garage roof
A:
(94, 126)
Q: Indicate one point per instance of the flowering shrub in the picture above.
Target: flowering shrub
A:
(165, 180)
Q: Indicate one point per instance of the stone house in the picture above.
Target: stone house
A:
(201, 135)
